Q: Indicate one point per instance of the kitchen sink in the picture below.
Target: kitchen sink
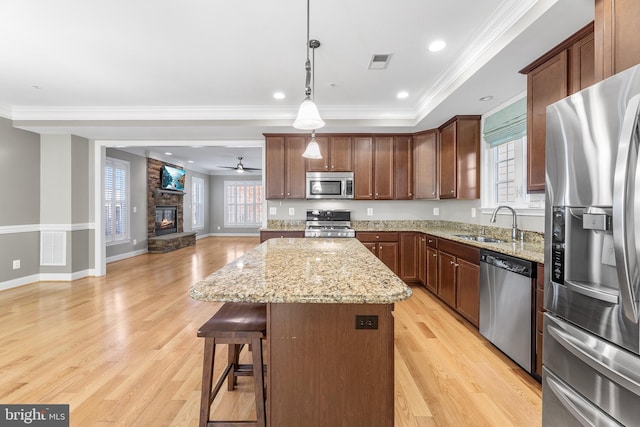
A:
(483, 239)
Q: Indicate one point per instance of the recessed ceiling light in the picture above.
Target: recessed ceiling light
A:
(279, 95)
(437, 45)
(486, 98)
(168, 153)
(402, 95)
(189, 161)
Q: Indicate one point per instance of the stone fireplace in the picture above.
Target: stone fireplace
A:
(165, 214)
(166, 220)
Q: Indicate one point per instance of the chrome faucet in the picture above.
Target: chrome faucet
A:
(514, 227)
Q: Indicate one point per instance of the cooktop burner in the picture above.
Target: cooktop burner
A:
(329, 223)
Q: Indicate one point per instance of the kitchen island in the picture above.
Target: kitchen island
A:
(329, 328)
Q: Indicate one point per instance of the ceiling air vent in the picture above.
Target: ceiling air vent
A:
(379, 61)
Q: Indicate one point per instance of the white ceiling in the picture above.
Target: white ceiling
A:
(202, 72)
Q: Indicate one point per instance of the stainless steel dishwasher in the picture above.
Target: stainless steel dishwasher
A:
(506, 309)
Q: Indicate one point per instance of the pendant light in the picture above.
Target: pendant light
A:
(308, 116)
(313, 149)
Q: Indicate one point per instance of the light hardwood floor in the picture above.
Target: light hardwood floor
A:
(122, 350)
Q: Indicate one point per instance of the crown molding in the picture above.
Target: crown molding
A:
(79, 113)
(6, 112)
(509, 20)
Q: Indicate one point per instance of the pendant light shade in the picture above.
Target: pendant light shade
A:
(313, 149)
(308, 116)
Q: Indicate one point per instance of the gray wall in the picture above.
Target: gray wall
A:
(216, 204)
(65, 199)
(20, 216)
(138, 200)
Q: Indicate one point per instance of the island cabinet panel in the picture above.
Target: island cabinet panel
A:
(285, 167)
(329, 373)
(617, 24)
(363, 168)
(384, 245)
(410, 257)
(266, 235)
(337, 155)
(425, 165)
(459, 278)
(403, 167)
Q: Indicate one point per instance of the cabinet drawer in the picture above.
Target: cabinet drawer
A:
(432, 242)
(460, 250)
(371, 236)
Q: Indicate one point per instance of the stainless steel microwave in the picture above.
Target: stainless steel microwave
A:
(329, 185)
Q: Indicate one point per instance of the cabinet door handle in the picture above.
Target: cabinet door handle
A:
(434, 255)
(451, 262)
(433, 193)
(456, 265)
(377, 237)
(452, 191)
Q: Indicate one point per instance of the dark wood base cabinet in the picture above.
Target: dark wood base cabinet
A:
(324, 372)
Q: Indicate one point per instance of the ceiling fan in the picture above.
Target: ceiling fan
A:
(240, 168)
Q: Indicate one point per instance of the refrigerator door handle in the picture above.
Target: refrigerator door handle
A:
(623, 210)
(582, 410)
(577, 343)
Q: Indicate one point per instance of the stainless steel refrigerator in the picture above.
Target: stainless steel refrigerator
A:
(591, 350)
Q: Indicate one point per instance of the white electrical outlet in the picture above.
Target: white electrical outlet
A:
(218, 228)
(273, 210)
(436, 211)
(473, 212)
(135, 242)
(369, 211)
(16, 264)
(292, 211)
(135, 209)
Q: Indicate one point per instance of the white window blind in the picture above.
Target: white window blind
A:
(197, 202)
(243, 203)
(116, 200)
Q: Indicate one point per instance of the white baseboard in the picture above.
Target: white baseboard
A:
(126, 255)
(47, 277)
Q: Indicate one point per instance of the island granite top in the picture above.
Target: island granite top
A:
(304, 270)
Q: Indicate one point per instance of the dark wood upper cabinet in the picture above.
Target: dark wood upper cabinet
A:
(545, 85)
(565, 69)
(425, 165)
(285, 167)
(617, 25)
(383, 175)
(363, 168)
(337, 155)
(459, 164)
(403, 167)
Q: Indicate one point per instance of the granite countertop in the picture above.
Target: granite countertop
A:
(304, 270)
(532, 248)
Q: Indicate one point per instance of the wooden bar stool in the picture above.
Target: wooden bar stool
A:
(235, 324)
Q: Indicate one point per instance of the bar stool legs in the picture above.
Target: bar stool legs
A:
(235, 324)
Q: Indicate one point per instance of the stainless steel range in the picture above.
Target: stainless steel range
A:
(329, 223)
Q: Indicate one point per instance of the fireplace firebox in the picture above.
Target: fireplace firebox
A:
(166, 220)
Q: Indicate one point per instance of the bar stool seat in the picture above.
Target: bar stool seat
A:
(235, 324)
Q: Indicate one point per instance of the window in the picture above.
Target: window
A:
(505, 172)
(505, 154)
(197, 202)
(243, 203)
(116, 200)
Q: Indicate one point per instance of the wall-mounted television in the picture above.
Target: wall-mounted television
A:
(172, 178)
